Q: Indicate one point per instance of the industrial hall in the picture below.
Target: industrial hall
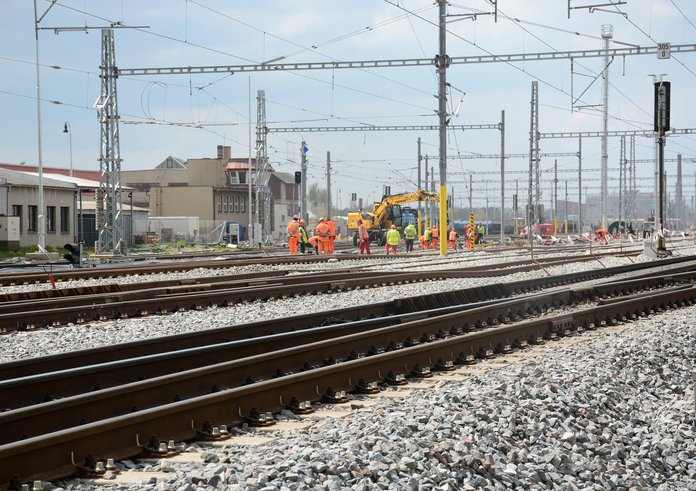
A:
(189, 200)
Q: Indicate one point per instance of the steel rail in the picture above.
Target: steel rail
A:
(25, 367)
(152, 290)
(24, 315)
(173, 301)
(25, 391)
(83, 402)
(118, 437)
(8, 279)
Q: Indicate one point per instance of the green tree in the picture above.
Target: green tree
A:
(316, 199)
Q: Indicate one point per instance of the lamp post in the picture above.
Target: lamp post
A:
(67, 129)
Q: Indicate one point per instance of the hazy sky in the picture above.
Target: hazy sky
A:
(188, 116)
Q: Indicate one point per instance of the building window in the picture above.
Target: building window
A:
(64, 219)
(236, 204)
(224, 204)
(33, 218)
(241, 204)
(17, 212)
(233, 177)
(50, 219)
(218, 200)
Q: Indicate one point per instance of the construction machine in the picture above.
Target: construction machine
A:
(384, 214)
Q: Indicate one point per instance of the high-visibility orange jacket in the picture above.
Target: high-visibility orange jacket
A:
(322, 230)
(453, 235)
(362, 232)
(436, 232)
(332, 228)
(294, 229)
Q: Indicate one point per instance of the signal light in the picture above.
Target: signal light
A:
(74, 253)
(298, 177)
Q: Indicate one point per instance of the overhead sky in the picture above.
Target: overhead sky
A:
(188, 116)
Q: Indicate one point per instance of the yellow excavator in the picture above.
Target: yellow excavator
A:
(384, 214)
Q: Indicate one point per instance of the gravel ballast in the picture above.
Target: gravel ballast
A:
(614, 409)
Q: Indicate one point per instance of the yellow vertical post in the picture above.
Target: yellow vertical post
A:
(472, 231)
(443, 220)
(419, 224)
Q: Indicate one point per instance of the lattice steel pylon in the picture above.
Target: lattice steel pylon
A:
(263, 188)
(109, 219)
(533, 197)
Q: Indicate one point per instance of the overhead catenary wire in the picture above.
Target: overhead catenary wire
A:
(338, 115)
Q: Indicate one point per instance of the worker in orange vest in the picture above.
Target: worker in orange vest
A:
(436, 234)
(332, 234)
(294, 234)
(322, 230)
(313, 241)
(364, 237)
(452, 242)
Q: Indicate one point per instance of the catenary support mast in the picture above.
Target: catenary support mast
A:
(607, 34)
(442, 62)
(109, 220)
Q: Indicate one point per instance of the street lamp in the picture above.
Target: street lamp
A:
(67, 129)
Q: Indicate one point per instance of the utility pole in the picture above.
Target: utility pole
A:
(432, 190)
(657, 78)
(516, 204)
(580, 185)
(303, 186)
(622, 179)
(565, 222)
(502, 177)
(555, 196)
(328, 184)
(442, 61)
(607, 34)
(250, 176)
(533, 157)
(428, 204)
(662, 109)
(420, 158)
(41, 226)
(471, 192)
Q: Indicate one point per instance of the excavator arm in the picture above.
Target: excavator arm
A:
(382, 211)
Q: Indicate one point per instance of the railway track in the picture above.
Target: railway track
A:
(47, 307)
(256, 374)
(30, 310)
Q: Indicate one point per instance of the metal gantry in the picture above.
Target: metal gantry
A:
(110, 152)
(400, 63)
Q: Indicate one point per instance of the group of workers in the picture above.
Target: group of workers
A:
(393, 238)
(324, 236)
(322, 241)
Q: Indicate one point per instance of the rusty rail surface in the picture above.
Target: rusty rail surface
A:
(62, 361)
(7, 279)
(118, 437)
(70, 308)
(223, 262)
(120, 398)
(54, 384)
(26, 367)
